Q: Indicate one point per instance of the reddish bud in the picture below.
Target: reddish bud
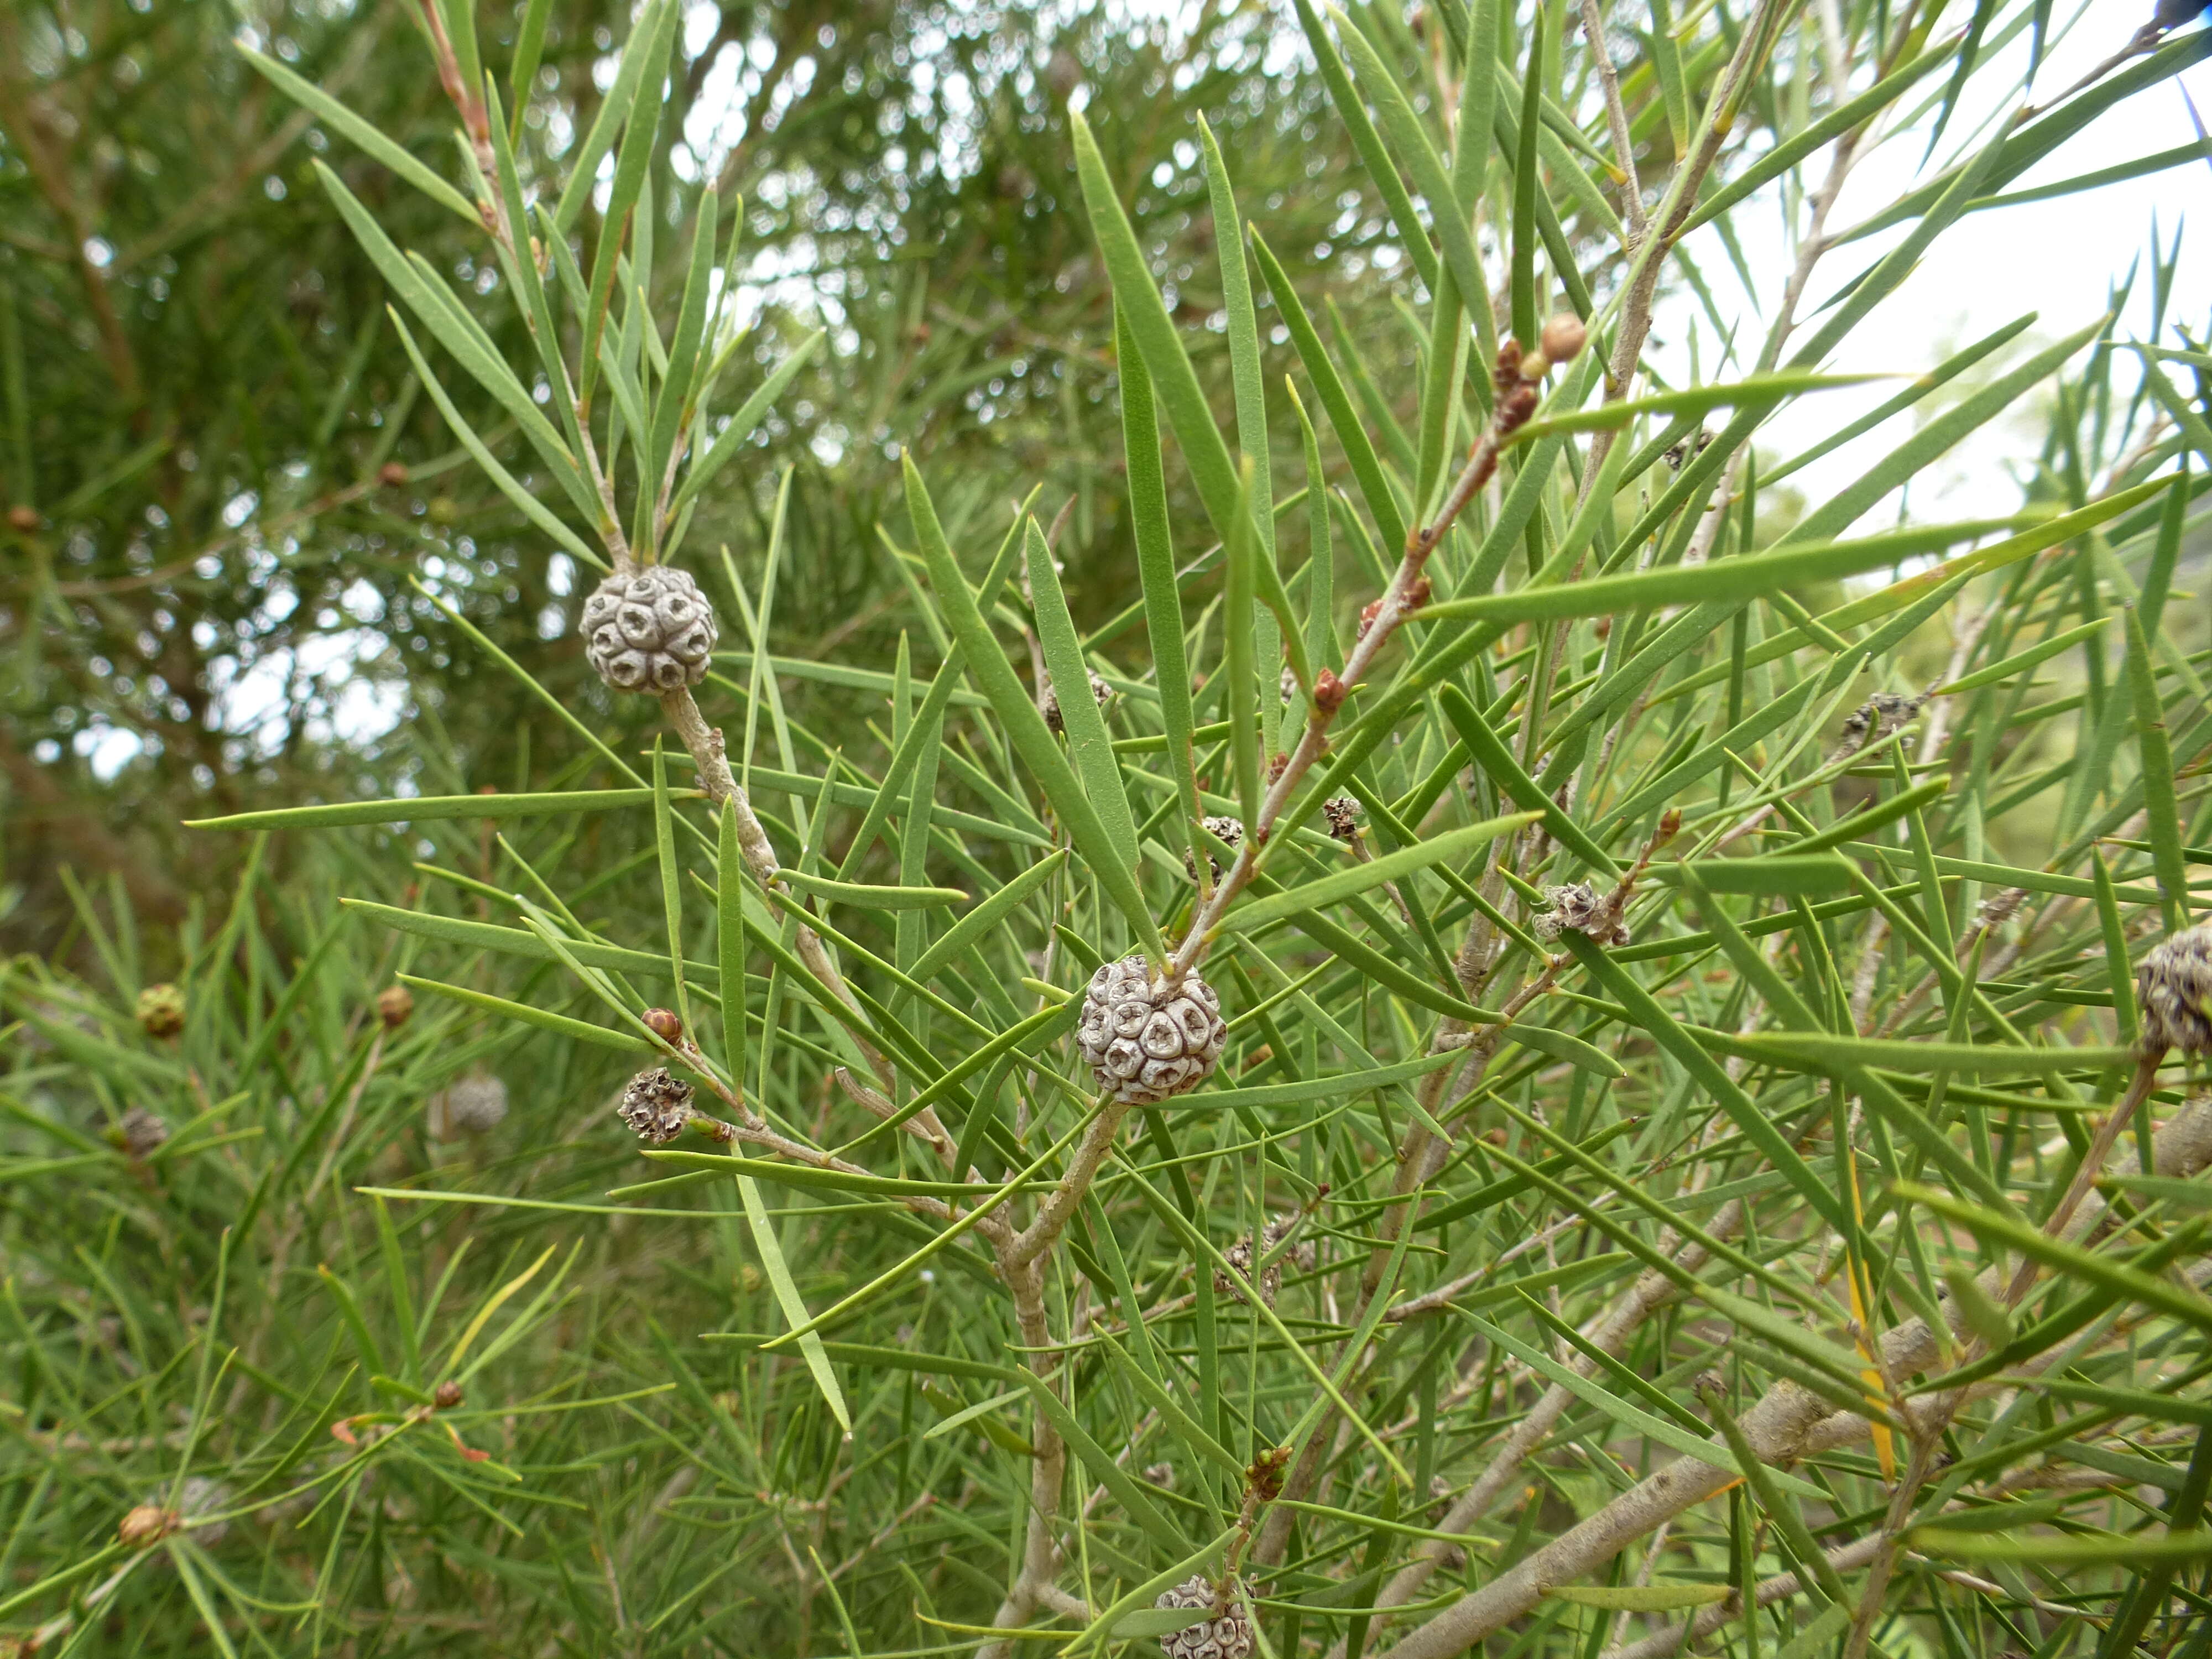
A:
(1275, 766)
(148, 1524)
(446, 1395)
(1329, 691)
(392, 475)
(664, 1024)
(1419, 594)
(395, 1004)
(1603, 628)
(1564, 337)
(25, 519)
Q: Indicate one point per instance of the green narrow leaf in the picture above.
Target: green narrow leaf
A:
(671, 882)
(1340, 885)
(347, 124)
(1024, 725)
(1526, 320)
(787, 1298)
(2160, 806)
(730, 943)
(1088, 740)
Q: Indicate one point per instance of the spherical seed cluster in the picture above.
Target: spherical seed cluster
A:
(1100, 693)
(1240, 1256)
(1227, 831)
(1146, 1040)
(1576, 908)
(651, 631)
(1877, 717)
(656, 1105)
(2175, 986)
(1227, 1635)
(160, 1010)
(140, 1133)
(474, 1105)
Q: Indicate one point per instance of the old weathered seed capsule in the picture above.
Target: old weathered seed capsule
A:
(656, 1105)
(1240, 1256)
(395, 1006)
(446, 1395)
(1877, 717)
(1576, 908)
(1343, 815)
(1227, 831)
(1227, 1635)
(474, 1105)
(140, 1133)
(2174, 987)
(160, 1010)
(1100, 693)
(1147, 1039)
(651, 631)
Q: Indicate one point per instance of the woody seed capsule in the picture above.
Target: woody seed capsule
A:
(1147, 1040)
(651, 631)
(1227, 1635)
(2174, 987)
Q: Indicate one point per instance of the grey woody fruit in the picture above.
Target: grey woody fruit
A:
(656, 1106)
(651, 631)
(1576, 908)
(1240, 1256)
(474, 1104)
(1227, 831)
(2174, 987)
(1100, 693)
(1145, 1039)
(1877, 717)
(1227, 1635)
(140, 1133)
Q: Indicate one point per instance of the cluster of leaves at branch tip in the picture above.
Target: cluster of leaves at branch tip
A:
(2174, 988)
(656, 1105)
(1147, 1038)
(1227, 1635)
(649, 630)
(1048, 701)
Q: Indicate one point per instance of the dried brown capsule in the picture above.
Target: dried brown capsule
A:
(1241, 1257)
(446, 1395)
(652, 630)
(2174, 987)
(1343, 815)
(395, 1006)
(656, 1106)
(1877, 717)
(1226, 1635)
(1146, 1039)
(1227, 831)
(160, 1010)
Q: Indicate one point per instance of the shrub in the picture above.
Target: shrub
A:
(1528, 1069)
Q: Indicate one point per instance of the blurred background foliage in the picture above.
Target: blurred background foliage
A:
(219, 475)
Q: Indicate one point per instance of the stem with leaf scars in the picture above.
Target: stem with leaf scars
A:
(1787, 1423)
(1519, 381)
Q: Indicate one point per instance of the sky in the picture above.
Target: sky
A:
(2057, 258)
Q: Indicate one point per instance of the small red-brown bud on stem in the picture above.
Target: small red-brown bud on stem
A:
(664, 1024)
(148, 1524)
(1275, 766)
(1418, 594)
(1564, 337)
(395, 1004)
(1329, 692)
(446, 1395)
(392, 475)
(24, 519)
